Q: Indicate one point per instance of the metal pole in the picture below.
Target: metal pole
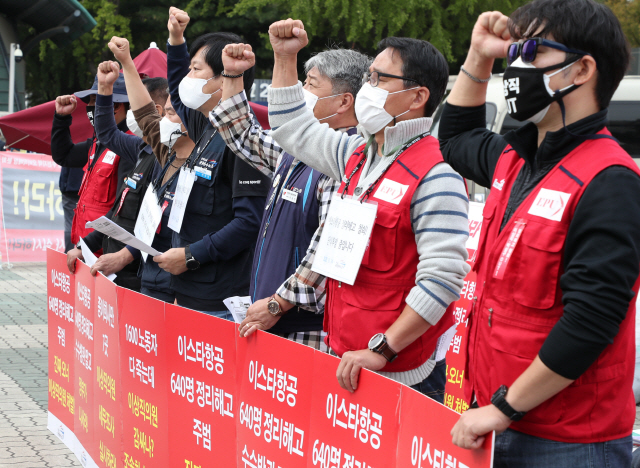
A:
(12, 76)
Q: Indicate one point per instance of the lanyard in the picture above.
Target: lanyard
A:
(403, 147)
(189, 163)
(157, 184)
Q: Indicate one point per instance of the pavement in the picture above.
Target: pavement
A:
(25, 441)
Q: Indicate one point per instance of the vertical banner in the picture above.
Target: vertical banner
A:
(202, 395)
(32, 214)
(60, 319)
(456, 355)
(425, 442)
(357, 429)
(84, 423)
(106, 412)
(275, 385)
(143, 367)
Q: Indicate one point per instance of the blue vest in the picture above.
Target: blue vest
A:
(285, 234)
(208, 210)
(154, 277)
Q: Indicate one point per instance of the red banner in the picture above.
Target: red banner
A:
(142, 383)
(143, 366)
(33, 219)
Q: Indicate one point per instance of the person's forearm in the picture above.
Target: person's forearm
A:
(465, 91)
(63, 151)
(534, 386)
(285, 71)
(231, 87)
(406, 329)
(177, 69)
(124, 145)
(136, 90)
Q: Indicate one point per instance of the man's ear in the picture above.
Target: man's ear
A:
(346, 103)
(160, 110)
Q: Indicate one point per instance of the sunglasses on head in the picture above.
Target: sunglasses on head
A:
(528, 49)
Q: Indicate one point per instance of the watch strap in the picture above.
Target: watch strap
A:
(499, 401)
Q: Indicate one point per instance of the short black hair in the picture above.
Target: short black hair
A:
(213, 44)
(585, 25)
(421, 62)
(157, 88)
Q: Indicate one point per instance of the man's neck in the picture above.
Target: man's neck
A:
(184, 148)
(573, 113)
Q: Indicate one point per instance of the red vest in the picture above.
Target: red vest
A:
(353, 314)
(97, 191)
(520, 300)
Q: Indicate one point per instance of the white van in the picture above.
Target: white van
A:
(624, 119)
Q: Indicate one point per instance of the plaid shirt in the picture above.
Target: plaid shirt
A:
(246, 138)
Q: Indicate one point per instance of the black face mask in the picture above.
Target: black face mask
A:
(91, 110)
(527, 92)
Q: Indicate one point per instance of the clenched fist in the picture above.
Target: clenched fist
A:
(237, 58)
(178, 21)
(108, 73)
(490, 37)
(66, 105)
(287, 37)
(120, 48)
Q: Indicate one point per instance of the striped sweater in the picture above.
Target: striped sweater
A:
(438, 210)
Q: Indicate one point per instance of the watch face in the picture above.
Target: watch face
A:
(273, 307)
(376, 341)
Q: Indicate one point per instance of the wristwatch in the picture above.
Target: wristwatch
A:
(273, 307)
(498, 400)
(192, 263)
(378, 344)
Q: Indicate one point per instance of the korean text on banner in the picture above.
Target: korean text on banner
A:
(60, 319)
(275, 385)
(84, 365)
(107, 412)
(352, 428)
(143, 366)
(203, 395)
(423, 444)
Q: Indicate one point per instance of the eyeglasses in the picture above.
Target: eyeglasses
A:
(374, 78)
(529, 49)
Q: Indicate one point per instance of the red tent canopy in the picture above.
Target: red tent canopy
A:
(30, 129)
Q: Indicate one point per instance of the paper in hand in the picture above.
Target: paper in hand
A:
(111, 229)
(238, 307)
(90, 258)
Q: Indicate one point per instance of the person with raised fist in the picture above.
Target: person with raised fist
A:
(551, 343)
(414, 262)
(288, 298)
(217, 225)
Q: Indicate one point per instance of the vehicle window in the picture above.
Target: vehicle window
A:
(624, 124)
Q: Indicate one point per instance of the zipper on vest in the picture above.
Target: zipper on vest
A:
(490, 314)
(266, 226)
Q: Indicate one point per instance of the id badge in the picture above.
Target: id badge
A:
(290, 195)
(344, 238)
(203, 173)
(131, 183)
(148, 218)
(185, 183)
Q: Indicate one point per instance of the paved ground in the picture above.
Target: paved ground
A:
(25, 441)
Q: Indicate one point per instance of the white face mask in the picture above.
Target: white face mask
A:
(169, 132)
(190, 91)
(133, 125)
(311, 100)
(369, 108)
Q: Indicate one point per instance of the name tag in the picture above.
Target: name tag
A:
(204, 173)
(148, 218)
(290, 195)
(180, 199)
(550, 204)
(109, 157)
(131, 183)
(391, 191)
(344, 238)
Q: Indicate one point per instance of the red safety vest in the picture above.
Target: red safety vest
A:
(97, 192)
(520, 300)
(353, 314)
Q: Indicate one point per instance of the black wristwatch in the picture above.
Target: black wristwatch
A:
(192, 263)
(498, 400)
(378, 344)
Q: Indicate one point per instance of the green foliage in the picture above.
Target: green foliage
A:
(628, 12)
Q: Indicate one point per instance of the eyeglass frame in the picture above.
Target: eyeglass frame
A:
(540, 41)
(366, 78)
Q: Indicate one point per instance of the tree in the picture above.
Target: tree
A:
(628, 12)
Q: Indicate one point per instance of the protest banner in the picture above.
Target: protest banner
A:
(32, 215)
(275, 389)
(203, 406)
(143, 366)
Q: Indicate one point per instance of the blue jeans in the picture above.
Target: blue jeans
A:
(223, 314)
(515, 449)
(433, 386)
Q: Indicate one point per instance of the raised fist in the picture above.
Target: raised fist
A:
(108, 73)
(287, 37)
(65, 105)
(237, 58)
(120, 48)
(490, 37)
(178, 20)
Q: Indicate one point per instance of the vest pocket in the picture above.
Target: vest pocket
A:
(201, 197)
(104, 184)
(488, 213)
(535, 264)
(382, 243)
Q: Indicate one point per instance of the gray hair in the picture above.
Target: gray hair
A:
(343, 67)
